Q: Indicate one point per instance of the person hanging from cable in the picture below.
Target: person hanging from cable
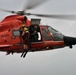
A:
(25, 37)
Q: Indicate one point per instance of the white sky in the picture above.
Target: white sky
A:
(57, 62)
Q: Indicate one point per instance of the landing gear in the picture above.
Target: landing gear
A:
(9, 53)
(71, 46)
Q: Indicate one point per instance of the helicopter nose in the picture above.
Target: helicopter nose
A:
(69, 41)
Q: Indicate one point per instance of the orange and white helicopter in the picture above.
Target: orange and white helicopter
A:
(48, 37)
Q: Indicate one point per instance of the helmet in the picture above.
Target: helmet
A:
(23, 25)
(35, 27)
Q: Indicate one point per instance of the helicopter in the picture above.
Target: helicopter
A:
(48, 37)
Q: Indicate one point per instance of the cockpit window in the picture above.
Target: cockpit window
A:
(52, 29)
(57, 36)
(45, 34)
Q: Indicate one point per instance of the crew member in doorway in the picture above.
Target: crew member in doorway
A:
(33, 33)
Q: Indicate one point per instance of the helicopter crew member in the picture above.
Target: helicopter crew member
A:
(33, 33)
(25, 36)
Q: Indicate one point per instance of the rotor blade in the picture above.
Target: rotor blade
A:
(7, 10)
(66, 16)
(32, 4)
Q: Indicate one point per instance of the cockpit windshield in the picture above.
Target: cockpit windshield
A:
(52, 29)
(57, 36)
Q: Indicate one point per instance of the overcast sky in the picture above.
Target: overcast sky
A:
(56, 62)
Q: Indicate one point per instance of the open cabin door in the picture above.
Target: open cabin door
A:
(35, 34)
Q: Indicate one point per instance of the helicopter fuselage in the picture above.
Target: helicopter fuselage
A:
(48, 37)
(10, 40)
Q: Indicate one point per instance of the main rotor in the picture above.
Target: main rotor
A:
(31, 4)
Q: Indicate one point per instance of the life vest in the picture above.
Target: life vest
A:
(26, 34)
